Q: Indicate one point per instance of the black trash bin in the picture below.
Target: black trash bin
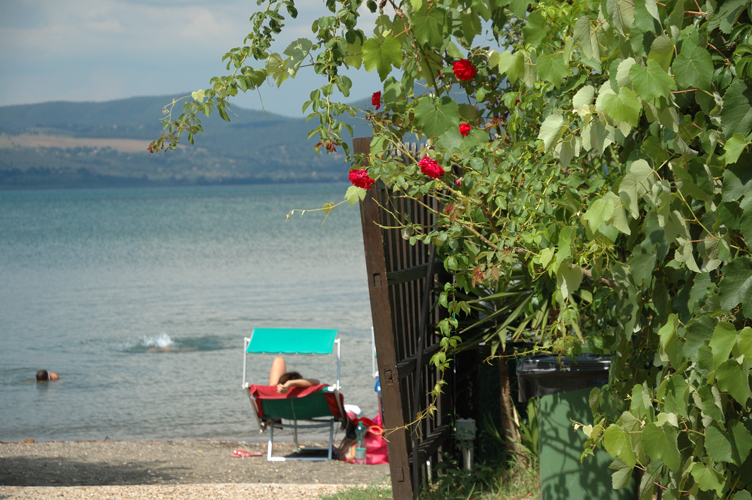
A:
(562, 387)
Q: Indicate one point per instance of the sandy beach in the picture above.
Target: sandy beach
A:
(170, 469)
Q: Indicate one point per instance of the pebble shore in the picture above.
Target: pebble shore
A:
(163, 492)
(170, 469)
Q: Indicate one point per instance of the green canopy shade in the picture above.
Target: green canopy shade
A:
(291, 341)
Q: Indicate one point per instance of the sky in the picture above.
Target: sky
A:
(99, 50)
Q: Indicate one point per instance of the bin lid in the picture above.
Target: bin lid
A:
(544, 375)
(548, 363)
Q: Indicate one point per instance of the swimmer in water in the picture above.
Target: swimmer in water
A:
(45, 376)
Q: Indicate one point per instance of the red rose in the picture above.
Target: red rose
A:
(429, 167)
(376, 99)
(465, 128)
(458, 182)
(360, 179)
(464, 70)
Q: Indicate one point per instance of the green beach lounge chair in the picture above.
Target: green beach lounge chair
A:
(300, 408)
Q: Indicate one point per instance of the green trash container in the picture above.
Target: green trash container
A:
(562, 387)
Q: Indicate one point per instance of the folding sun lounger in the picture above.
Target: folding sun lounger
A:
(317, 407)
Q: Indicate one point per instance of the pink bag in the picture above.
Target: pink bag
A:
(376, 449)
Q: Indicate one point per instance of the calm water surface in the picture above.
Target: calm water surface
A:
(140, 299)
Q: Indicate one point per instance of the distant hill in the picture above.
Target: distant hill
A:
(69, 144)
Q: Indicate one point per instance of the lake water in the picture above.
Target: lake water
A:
(140, 299)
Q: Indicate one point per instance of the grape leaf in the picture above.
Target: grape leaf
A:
(694, 68)
(621, 107)
(651, 82)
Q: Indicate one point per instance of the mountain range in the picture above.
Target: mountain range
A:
(103, 144)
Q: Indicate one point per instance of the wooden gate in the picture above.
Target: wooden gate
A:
(404, 283)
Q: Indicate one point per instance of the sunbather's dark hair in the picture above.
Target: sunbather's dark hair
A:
(43, 375)
(289, 376)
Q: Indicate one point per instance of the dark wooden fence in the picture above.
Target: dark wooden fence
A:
(404, 282)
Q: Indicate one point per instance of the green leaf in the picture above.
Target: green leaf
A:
(745, 224)
(519, 7)
(662, 51)
(436, 116)
(623, 107)
(298, 51)
(636, 183)
(731, 446)
(354, 194)
(552, 68)
(741, 441)
(591, 39)
(551, 130)
(381, 54)
(728, 14)
(198, 96)
(471, 26)
(651, 82)
(736, 285)
(568, 278)
(617, 444)
(745, 342)
(731, 378)
(567, 149)
(583, 97)
(428, 25)
(742, 495)
(722, 342)
(711, 403)
(622, 475)
(707, 479)
(642, 266)
(622, 72)
(647, 18)
(736, 114)
(512, 64)
(620, 215)
(536, 28)
(734, 148)
(718, 445)
(737, 180)
(276, 67)
(693, 68)
(599, 212)
(660, 444)
(354, 56)
(621, 13)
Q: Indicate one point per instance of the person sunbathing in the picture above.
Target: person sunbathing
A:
(285, 380)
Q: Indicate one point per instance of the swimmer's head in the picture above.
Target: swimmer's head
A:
(43, 375)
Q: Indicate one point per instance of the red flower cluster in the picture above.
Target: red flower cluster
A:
(464, 70)
(429, 167)
(465, 128)
(360, 179)
(376, 99)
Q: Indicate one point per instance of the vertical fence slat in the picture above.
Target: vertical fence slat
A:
(397, 274)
